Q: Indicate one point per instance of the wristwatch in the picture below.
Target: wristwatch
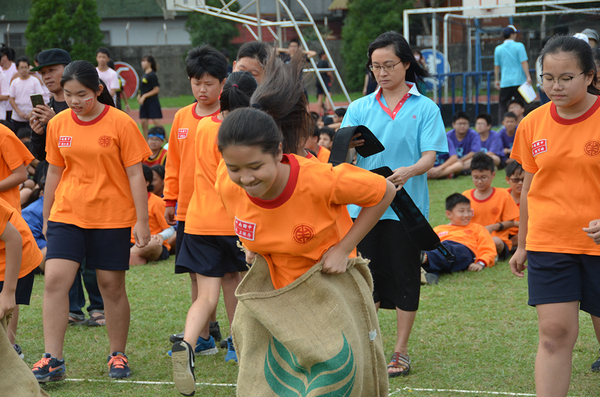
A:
(482, 263)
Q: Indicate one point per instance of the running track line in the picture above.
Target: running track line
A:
(410, 389)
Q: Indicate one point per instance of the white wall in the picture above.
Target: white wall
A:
(146, 32)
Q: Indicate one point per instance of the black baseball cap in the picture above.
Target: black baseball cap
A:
(54, 56)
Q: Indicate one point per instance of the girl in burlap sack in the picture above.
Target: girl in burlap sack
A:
(305, 320)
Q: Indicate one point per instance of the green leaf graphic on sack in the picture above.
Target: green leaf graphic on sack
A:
(287, 378)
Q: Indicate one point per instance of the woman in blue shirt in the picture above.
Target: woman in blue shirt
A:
(411, 129)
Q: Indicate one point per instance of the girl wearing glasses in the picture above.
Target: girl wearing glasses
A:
(412, 131)
(559, 234)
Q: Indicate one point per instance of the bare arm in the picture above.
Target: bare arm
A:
(53, 176)
(525, 66)
(517, 262)
(18, 176)
(150, 93)
(14, 251)
(497, 76)
(336, 258)
(137, 184)
(403, 174)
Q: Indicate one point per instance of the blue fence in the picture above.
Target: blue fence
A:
(473, 84)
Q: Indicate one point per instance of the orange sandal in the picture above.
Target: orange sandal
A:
(399, 361)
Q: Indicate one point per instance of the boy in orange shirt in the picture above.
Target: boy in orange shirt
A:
(515, 176)
(19, 257)
(321, 152)
(207, 70)
(471, 243)
(14, 157)
(492, 208)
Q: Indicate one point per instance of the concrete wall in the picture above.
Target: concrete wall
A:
(146, 32)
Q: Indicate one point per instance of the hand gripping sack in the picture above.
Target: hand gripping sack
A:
(318, 336)
(16, 379)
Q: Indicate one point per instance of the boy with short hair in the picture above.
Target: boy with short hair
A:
(20, 90)
(517, 107)
(491, 144)
(492, 208)
(466, 141)
(515, 176)
(207, 70)
(507, 134)
(19, 257)
(312, 145)
(156, 139)
(326, 135)
(106, 74)
(471, 244)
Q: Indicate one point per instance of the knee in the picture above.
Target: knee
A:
(557, 335)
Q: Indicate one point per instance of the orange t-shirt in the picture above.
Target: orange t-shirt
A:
(156, 217)
(473, 236)
(294, 230)
(179, 170)
(94, 191)
(32, 256)
(499, 207)
(513, 231)
(206, 214)
(323, 154)
(564, 156)
(12, 155)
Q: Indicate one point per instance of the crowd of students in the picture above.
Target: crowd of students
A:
(100, 197)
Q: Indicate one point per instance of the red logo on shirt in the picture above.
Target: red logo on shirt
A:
(468, 231)
(592, 148)
(538, 147)
(104, 141)
(64, 141)
(495, 211)
(182, 133)
(302, 234)
(244, 229)
(442, 234)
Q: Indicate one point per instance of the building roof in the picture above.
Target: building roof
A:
(107, 9)
(338, 5)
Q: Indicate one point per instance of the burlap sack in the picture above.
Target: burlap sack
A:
(318, 336)
(16, 378)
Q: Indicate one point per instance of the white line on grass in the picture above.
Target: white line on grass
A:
(409, 389)
(495, 393)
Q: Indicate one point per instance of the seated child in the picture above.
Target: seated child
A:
(326, 137)
(492, 208)
(514, 177)
(491, 143)
(471, 243)
(322, 153)
(158, 179)
(517, 107)
(14, 158)
(507, 134)
(338, 116)
(19, 257)
(158, 248)
(156, 139)
(446, 165)
(466, 141)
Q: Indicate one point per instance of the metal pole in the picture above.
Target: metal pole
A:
(258, 20)
(406, 26)
(433, 67)
(127, 32)
(278, 16)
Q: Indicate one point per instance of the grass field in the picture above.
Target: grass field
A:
(474, 332)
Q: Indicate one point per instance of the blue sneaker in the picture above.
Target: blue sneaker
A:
(203, 347)
(231, 354)
(49, 369)
(118, 366)
(206, 347)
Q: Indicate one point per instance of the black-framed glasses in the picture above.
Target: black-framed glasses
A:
(516, 180)
(387, 68)
(564, 80)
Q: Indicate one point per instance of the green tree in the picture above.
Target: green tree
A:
(366, 20)
(206, 29)
(73, 25)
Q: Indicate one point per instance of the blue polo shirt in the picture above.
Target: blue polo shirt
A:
(509, 56)
(471, 142)
(493, 144)
(413, 127)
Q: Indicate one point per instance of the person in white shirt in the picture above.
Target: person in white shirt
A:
(21, 88)
(106, 74)
(7, 70)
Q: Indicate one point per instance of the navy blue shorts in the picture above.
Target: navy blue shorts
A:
(24, 288)
(104, 249)
(180, 228)
(505, 253)
(557, 278)
(210, 256)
